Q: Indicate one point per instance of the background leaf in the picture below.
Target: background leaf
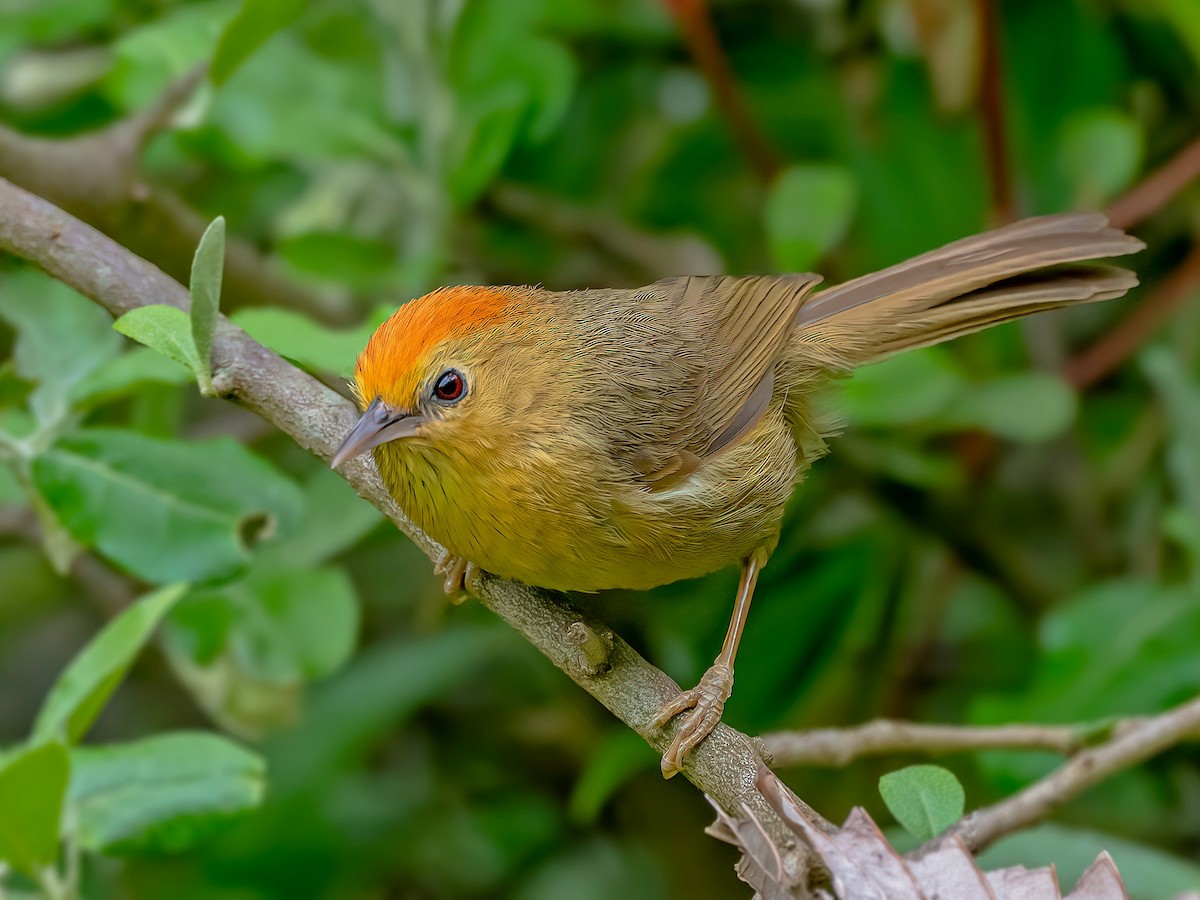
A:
(62, 339)
(32, 784)
(807, 213)
(167, 330)
(163, 793)
(90, 678)
(925, 799)
(254, 23)
(166, 510)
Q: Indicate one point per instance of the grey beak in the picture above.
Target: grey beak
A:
(378, 425)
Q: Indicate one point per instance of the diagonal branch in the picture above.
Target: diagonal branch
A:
(991, 110)
(1121, 342)
(1152, 193)
(698, 32)
(245, 372)
(1134, 744)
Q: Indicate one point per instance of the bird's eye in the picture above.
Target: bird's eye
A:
(450, 386)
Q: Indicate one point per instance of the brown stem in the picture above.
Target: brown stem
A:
(840, 746)
(696, 25)
(1153, 192)
(991, 109)
(1123, 340)
(1134, 744)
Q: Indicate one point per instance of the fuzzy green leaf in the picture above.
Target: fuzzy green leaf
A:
(163, 793)
(926, 800)
(167, 330)
(89, 680)
(208, 266)
(32, 785)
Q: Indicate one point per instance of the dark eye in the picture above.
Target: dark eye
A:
(450, 386)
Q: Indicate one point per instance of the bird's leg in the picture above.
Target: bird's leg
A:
(458, 572)
(707, 699)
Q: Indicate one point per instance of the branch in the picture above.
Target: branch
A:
(701, 38)
(1122, 341)
(1133, 744)
(1140, 202)
(723, 766)
(991, 109)
(840, 746)
(96, 177)
(1153, 192)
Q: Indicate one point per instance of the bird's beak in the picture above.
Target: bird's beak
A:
(378, 425)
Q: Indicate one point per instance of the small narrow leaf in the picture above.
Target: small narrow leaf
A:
(926, 800)
(32, 785)
(205, 288)
(163, 793)
(165, 329)
(91, 677)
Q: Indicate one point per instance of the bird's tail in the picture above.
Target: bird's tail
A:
(1026, 267)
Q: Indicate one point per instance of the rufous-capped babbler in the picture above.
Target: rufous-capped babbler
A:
(593, 439)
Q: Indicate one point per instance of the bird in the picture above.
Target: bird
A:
(596, 439)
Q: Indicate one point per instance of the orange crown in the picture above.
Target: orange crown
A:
(394, 360)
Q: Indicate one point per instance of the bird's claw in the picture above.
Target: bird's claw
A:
(707, 702)
(459, 574)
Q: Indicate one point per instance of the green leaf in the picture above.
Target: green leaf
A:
(1028, 407)
(161, 794)
(254, 24)
(1147, 871)
(166, 510)
(80, 692)
(357, 262)
(1180, 398)
(808, 211)
(1100, 152)
(614, 761)
(32, 785)
(278, 625)
(167, 330)
(119, 377)
(925, 799)
(208, 265)
(161, 49)
(912, 388)
(299, 338)
(344, 520)
(62, 338)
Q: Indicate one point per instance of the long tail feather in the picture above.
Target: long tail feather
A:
(1029, 266)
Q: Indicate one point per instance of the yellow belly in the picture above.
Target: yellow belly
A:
(560, 520)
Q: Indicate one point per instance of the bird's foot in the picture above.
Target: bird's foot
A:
(459, 573)
(706, 702)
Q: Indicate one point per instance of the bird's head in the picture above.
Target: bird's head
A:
(435, 372)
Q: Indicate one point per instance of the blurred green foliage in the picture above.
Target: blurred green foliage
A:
(985, 544)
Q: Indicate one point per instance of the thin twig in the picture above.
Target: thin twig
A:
(97, 177)
(696, 25)
(317, 418)
(1131, 745)
(1153, 192)
(840, 746)
(1122, 341)
(991, 110)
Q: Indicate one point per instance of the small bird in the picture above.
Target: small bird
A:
(594, 439)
